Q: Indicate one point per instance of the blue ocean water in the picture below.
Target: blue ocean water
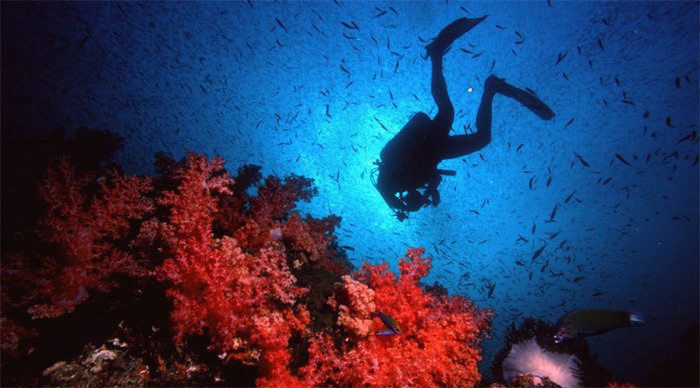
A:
(288, 86)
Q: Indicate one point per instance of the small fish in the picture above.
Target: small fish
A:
(669, 122)
(560, 58)
(569, 197)
(281, 25)
(553, 213)
(690, 136)
(390, 322)
(600, 44)
(349, 26)
(569, 123)
(622, 159)
(678, 82)
(538, 252)
(583, 161)
(491, 287)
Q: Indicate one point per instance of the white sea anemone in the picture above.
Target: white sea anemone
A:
(529, 358)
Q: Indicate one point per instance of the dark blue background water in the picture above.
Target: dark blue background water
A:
(227, 79)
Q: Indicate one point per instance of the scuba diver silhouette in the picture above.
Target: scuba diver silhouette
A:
(409, 160)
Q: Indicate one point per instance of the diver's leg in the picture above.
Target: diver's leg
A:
(460, 145)
(446, 111)
(457, 146)
(436, 49)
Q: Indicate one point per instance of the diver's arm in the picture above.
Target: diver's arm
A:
(432, 189)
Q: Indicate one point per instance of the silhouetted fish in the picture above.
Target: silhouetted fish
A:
(620, 158)
(560, 58)
(538, 253)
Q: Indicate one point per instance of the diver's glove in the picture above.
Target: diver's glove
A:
(400, 215)
(435, 196)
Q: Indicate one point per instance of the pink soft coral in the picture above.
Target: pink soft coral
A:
(354, 302)
(438, 344)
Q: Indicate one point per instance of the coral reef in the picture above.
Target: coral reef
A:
(211, 279)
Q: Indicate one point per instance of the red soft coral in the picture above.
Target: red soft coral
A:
(87, 226)
(276, 198)
(254, 220)
(246, 299)
(311, 240)
(438, 344)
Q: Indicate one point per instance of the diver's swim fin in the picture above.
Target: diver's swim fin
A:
(528, 99)
(451, 33)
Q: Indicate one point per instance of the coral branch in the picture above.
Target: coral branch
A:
(86, 226)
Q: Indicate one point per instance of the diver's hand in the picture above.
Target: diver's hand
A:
(436, 198)
(400, 215)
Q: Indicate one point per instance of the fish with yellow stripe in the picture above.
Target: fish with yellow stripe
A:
(594, 321)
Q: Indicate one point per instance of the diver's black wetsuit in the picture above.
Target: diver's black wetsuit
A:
(409, 160)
